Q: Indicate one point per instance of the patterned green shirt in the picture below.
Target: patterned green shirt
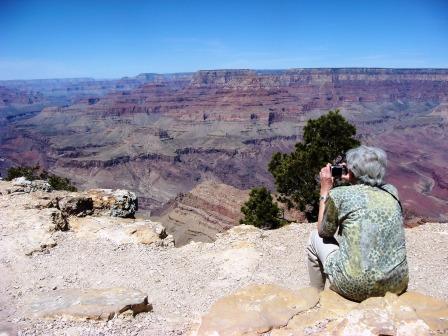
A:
(371, 259)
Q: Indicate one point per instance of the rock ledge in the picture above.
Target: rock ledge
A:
(88, 304)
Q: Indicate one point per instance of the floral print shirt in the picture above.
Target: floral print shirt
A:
(371, 259)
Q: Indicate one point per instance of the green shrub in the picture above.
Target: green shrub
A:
(32, 173)
(324, 139)
(260, 210)
(60, 183)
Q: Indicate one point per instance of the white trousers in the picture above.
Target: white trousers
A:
(317, 251)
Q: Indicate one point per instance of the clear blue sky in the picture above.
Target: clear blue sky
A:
(109, 39)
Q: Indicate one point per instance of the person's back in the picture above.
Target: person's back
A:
(368, 256)
(371, 259)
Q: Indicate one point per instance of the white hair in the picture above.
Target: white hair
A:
(368, 164)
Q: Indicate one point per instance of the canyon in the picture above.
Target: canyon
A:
(161, 135)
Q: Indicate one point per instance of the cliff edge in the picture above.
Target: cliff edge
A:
(131, 280)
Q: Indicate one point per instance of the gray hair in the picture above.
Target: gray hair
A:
(368, 164)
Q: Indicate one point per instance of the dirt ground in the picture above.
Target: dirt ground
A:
(182, 283)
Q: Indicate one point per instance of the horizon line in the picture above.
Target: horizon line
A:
(225, 69)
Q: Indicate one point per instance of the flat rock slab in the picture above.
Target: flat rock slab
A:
(88, 304)
(26, 231)
(409, 314)
(256, 309)
(120, 230)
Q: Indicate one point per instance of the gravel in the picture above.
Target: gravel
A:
(182, 283)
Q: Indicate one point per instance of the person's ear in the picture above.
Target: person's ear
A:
(347, 177)
(352, 177)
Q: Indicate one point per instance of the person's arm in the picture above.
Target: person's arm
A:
(320, 217)
(329, 222)
(326, 183)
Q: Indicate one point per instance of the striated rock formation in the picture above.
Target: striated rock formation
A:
(209, 208)
(10, 96)
(172, 132)
(23, 99)
(63, 91)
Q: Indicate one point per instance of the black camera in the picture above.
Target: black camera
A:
(338, 170)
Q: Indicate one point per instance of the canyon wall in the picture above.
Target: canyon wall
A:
(168, 133)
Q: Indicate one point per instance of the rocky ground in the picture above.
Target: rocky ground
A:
(181, 284)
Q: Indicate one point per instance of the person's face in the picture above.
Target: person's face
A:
(349, 177)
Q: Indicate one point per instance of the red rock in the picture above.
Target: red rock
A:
(169, 134)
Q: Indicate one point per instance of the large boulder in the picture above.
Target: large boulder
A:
(28, 220)
(32, 229)
(88, 304)
(409, 314)
(39, 235)
(121, 230)
(256, 309)
(116, 203)
(75, 205)
(21, 184)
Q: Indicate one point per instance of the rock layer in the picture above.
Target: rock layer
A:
(173, 132)
(209, 208)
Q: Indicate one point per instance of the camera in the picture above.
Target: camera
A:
(338, 170)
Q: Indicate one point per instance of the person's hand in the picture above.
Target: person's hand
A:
(326, 180)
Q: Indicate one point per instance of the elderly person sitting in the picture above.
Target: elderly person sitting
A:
(368, 256)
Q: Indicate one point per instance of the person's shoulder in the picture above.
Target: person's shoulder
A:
(343, 191)
(390, 188)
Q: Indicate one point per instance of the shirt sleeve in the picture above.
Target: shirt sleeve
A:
(329, 224)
